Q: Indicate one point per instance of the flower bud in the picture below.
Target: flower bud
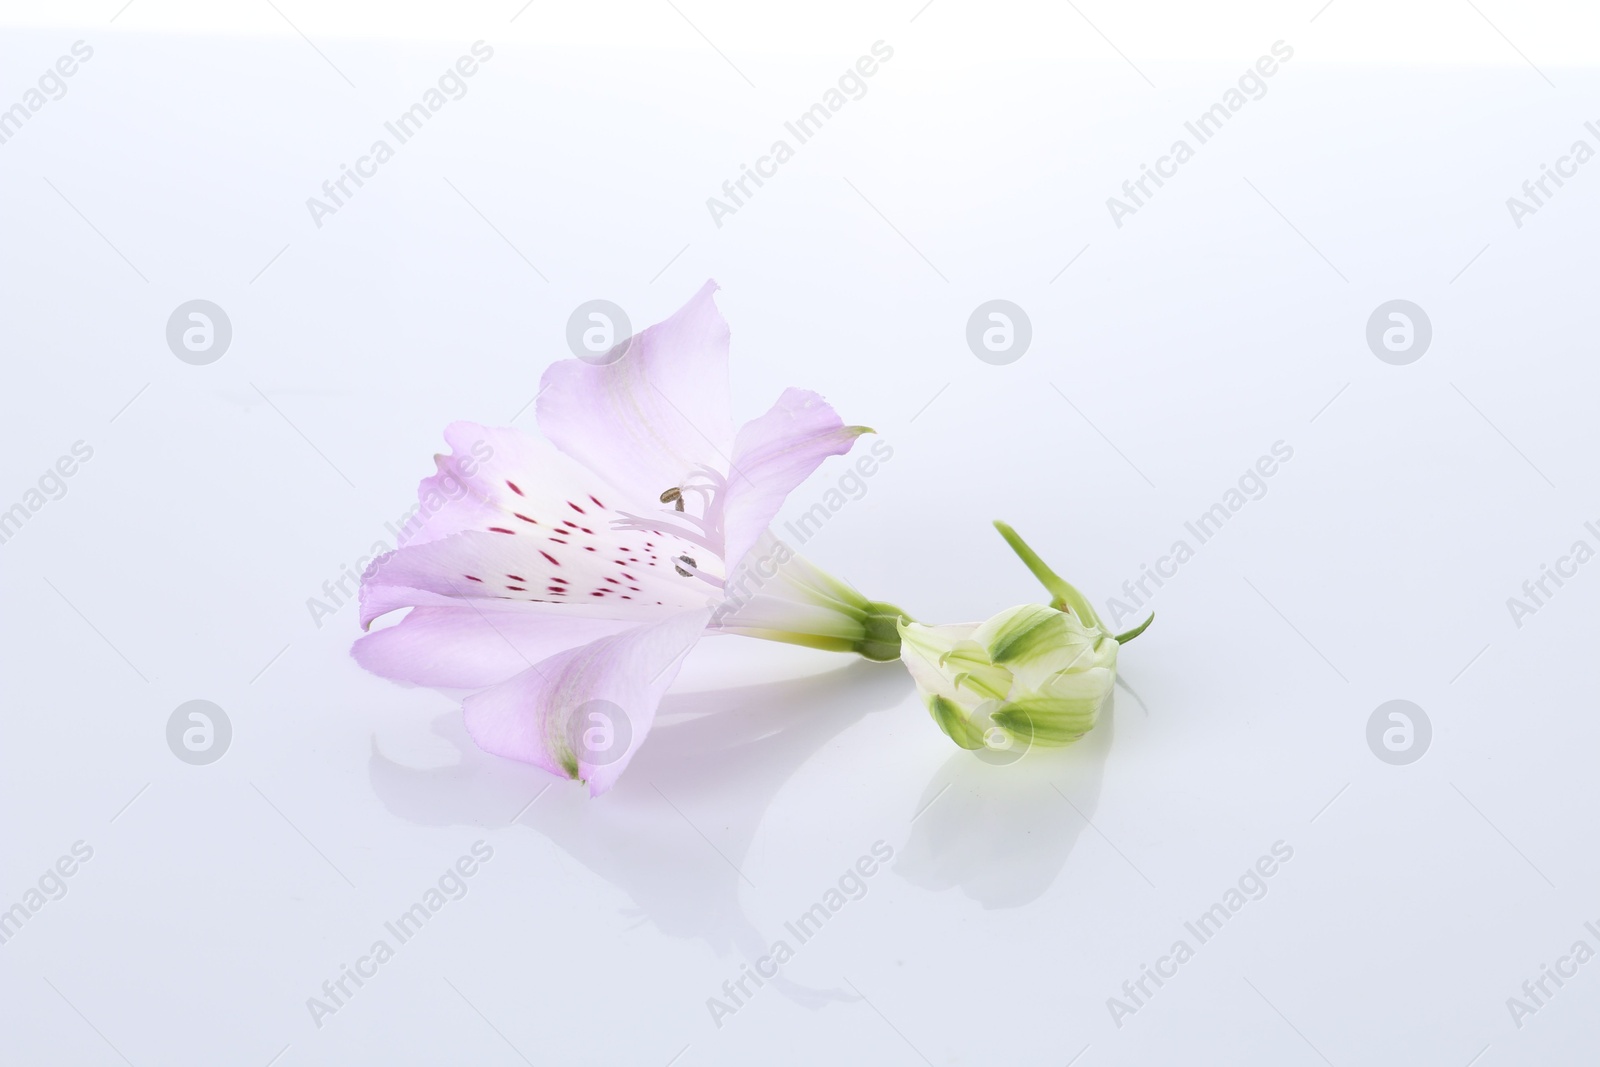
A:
(1032, 675)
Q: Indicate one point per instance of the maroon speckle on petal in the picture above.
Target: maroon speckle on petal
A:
(516, 577)
(588, 548)
(598, 592)
(596, 501)
(470, 578)
(525, 518)
(549, 557)
(563, 581)
(517, 588)
(501, 529)
(613, 581)
(514, 488)
(576, 508)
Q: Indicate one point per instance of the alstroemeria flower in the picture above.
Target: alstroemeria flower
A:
(560, 581)
(1031, 675)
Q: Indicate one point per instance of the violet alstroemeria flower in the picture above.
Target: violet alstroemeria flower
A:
(557, 580)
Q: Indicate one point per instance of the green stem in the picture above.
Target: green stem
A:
(1066, 595)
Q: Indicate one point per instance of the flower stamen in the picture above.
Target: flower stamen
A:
(686, 566)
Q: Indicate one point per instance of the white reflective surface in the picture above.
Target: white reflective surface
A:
(1227, 315)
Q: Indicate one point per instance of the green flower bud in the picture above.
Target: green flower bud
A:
(1032, 675)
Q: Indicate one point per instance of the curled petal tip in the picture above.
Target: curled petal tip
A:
(1124, 638)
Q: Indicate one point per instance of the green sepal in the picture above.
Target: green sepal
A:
(1043, 721)
(880, 640)
(955, 723)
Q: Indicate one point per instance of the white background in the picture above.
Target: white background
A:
(1226, 315)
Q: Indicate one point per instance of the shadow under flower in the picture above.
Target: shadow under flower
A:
(675, 832)
(1003, 834)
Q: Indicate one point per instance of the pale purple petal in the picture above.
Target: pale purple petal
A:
(590, 572)
(531, 717)
(378, 600)
(502, 478)
(463, 648)
(663, 409)
(772, 455)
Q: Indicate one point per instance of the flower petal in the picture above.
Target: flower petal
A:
(777, 594)
(922, 649)
(647, 420)
(540, 715)
(502, 478)
(1036, 636)
(772, 455)
(957, 723)
(460, 647)
(599, 573)
(1065, 709)
(378, 600)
